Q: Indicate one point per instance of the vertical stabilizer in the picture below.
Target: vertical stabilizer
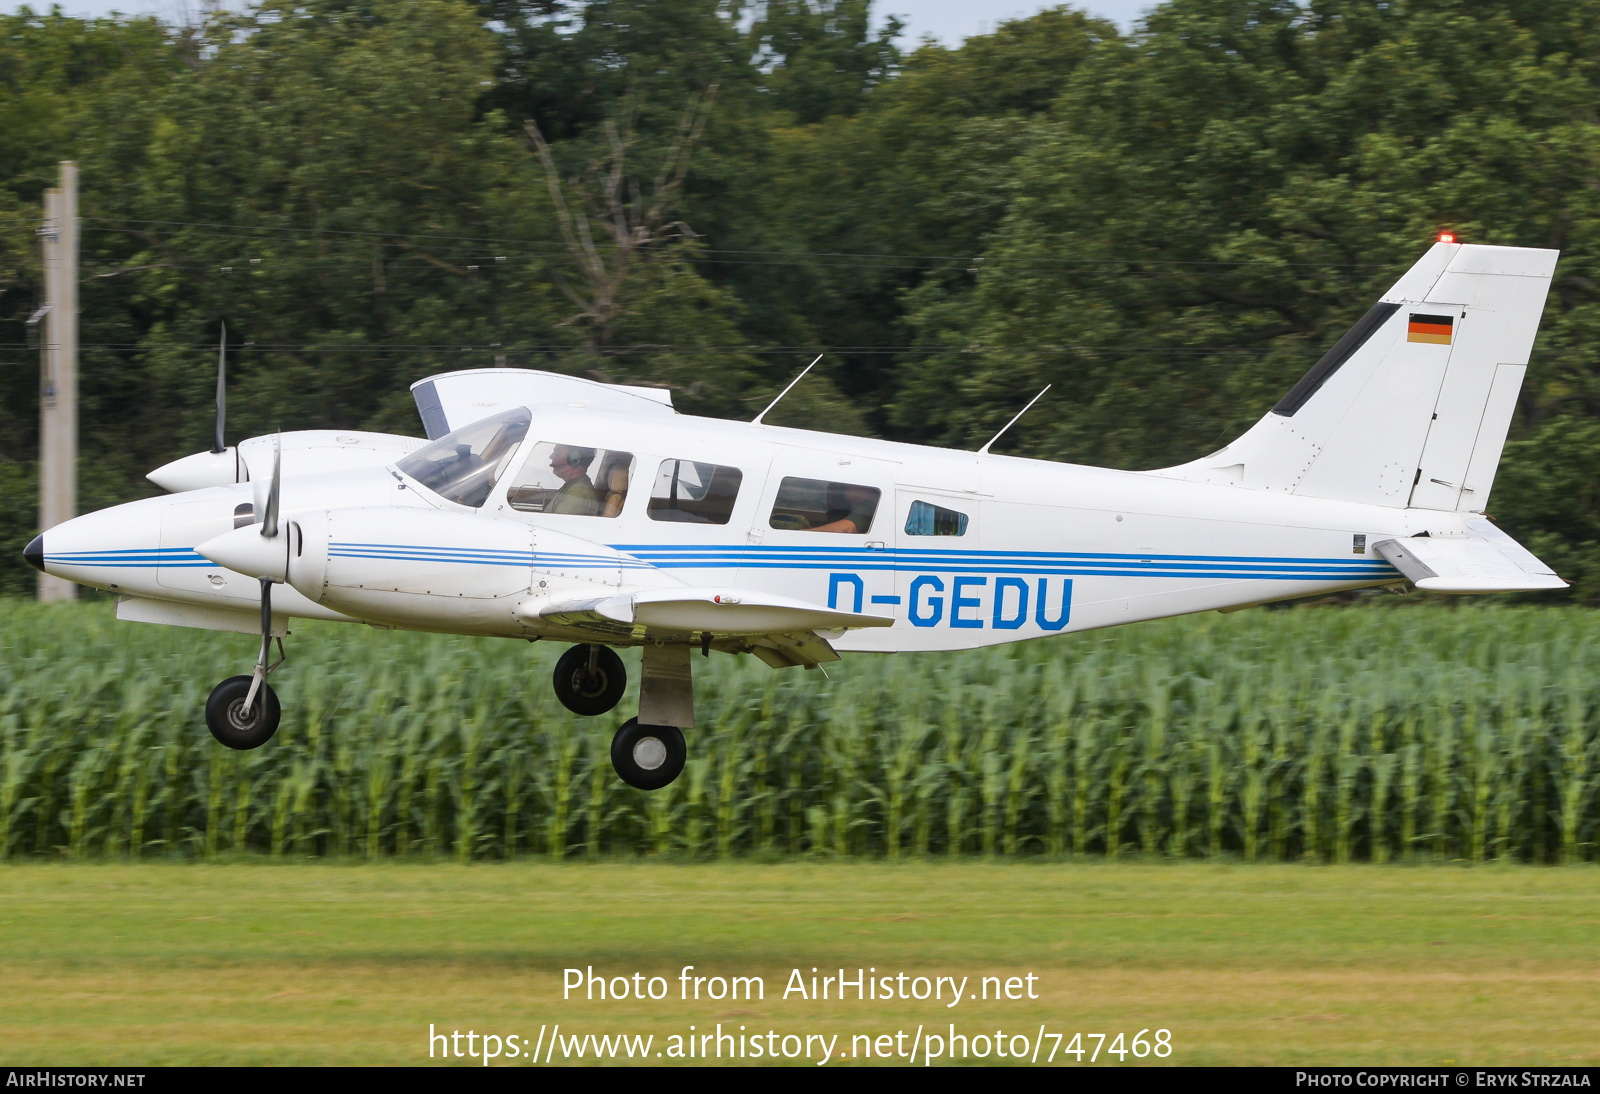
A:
(1410, 408)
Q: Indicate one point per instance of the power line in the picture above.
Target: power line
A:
(511, 348)
(231, 231)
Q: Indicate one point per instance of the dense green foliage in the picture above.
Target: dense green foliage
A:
(1169, 226)
(1272, 735)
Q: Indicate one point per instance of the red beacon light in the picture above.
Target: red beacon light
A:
(1447, 237)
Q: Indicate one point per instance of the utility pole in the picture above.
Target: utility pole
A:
(58, 369)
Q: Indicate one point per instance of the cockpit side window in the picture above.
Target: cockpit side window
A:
(934, 520)
(462, 466)
(814, 505)
(694, 493)
(570, 479)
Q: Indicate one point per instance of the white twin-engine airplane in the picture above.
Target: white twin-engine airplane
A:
(548, 507)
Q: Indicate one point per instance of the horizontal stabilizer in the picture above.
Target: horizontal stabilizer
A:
(1486, 560)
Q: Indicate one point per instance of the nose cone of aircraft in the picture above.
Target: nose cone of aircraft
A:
(34, 553)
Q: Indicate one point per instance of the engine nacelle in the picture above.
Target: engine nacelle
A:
(428, 569)
(302, 452)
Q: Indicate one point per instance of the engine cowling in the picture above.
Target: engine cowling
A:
(430, 569)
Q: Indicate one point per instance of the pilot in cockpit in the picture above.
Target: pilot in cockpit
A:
(577, 496)
(850, 509)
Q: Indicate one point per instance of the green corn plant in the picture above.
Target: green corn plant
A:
(1213, 728)
(1255, 744)
(599, 758)
(1017, 786)
(1061, 698)
(1439, 725)
(1153, 758)
(955, 772)
(1383, 768)
(1349, 766)
(1478, 729)
(1264, 734)
(1576, 761)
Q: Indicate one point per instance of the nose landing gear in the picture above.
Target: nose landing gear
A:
(242, 712)
(235, 726)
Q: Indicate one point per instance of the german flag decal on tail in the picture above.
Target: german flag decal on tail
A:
(1430, 328)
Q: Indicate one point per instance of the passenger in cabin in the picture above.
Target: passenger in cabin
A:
(577, 496)
(850, 509)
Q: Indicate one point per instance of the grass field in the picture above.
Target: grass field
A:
(261, 963)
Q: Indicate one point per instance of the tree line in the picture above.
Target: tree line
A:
(1169, 225)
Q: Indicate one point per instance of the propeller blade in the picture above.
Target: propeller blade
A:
(269, 520)
(222, 389)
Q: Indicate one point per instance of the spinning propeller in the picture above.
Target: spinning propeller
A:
(222, 390)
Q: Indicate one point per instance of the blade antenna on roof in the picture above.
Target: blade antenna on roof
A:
(785, 391)
(984, 451)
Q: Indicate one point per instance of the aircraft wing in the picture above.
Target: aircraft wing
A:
(780, 630)
(1486, 560)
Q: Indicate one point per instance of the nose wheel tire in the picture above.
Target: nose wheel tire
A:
(590, 680)
(229, 724)
(647, 757)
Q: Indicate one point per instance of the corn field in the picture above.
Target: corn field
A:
(1319, 734)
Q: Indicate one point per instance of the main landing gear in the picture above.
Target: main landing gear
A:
(590, 679)
(242, 712)
(648, 752)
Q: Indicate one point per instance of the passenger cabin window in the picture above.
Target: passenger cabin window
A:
(572, 479)
(813, 505)
(934, 520)
(694, 493)
(462, 466)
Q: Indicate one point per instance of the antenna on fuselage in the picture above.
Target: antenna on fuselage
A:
(984, 451)
(785, 391)
(222, 389)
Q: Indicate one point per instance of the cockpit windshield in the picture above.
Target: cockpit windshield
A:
(462, 466)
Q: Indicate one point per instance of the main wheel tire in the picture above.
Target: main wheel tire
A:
(226, 719)
(647, 757)
(590, 693)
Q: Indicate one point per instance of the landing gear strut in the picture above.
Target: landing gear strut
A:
(590, 679)
(242, 712)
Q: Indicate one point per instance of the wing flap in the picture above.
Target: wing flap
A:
(779, 630)
(1485, 560)
(718, 611)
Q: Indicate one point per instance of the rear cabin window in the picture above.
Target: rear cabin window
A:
(691, 492)
(934, 520)
(572, 479)
(816, 505)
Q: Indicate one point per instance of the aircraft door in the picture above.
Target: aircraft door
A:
(943, 583)
(827, 532)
